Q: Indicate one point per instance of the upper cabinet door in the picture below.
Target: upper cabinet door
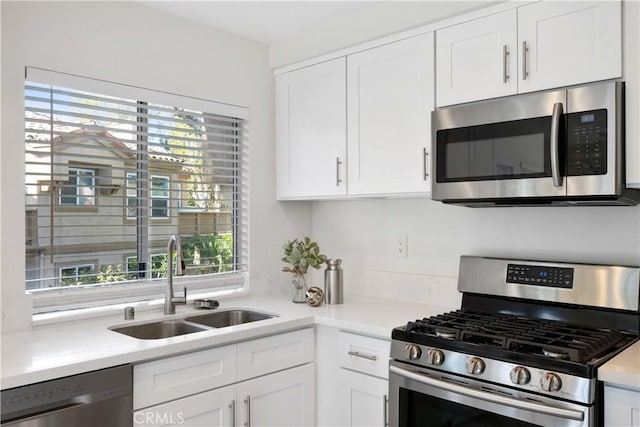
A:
(569, 43)
(477, 59)
(312, 131)
(390, 98)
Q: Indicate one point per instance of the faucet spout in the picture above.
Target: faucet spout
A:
(170, 301)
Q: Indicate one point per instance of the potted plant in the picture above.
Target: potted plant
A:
(301, 254)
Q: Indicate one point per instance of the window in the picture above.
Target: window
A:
(159, 197)
(77, 275)
(160, 165)
(80, 189)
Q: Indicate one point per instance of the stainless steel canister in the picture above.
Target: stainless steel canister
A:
(333, 282)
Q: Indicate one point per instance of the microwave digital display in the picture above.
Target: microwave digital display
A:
(587, 118)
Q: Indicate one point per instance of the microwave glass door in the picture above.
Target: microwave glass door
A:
(498, 151)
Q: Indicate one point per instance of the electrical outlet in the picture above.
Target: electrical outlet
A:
(400, 246)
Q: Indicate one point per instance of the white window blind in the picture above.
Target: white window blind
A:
(110, 179)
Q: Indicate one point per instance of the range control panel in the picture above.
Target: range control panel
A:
(587, 143)
(556, 277)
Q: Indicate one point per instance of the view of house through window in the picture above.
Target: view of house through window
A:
(109, 180)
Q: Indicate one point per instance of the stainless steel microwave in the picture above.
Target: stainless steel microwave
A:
(562, 147)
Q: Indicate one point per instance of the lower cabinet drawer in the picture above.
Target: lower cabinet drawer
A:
(178, 376)
(274, 353)
(364, 354)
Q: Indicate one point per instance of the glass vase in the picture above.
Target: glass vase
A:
(299, 285)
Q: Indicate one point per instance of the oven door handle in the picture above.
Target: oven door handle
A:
(488, 397)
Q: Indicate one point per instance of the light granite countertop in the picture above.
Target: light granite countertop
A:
(623, 370)
(67, 348)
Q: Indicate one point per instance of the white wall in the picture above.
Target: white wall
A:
(129, 43)
(375, 21)
(363, 234)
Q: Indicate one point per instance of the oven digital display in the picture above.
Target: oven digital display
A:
(538, 275)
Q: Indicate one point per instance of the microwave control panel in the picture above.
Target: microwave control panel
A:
(587, 143)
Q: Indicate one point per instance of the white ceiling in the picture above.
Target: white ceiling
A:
(265, 21)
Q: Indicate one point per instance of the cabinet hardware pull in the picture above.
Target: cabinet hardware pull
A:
(385, 409)
(232, 406)
(425, 154)
(505, 71)
(248, 402)
(338, 163)
(362, 355)
(525, 49)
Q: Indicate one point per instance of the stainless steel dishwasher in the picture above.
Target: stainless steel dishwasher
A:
(99, 399)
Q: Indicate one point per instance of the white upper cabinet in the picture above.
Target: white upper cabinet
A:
(539, 46)
(477, 59)
(569, 43)
(389, 102)
(311, 105)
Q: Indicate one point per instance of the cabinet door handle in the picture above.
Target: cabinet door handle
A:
(363, 355)
(525, 50)
(338, 163)
(425, 155)
(385, 409)
(232, 406)
(248, 402)
(505, 68)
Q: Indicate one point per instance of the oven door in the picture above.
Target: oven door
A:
(497, 149)
(419, 397)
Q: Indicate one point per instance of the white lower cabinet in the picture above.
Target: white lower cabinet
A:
(364, 399)
(352, 381)
(214, 408)
(621, 407)
(274, 386)
(282, 399)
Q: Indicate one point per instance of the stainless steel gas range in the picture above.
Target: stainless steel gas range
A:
(523, 349)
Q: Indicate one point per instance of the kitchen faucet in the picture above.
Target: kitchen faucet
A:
(169, 300)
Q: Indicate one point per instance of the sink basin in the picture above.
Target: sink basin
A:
(221, 319)
(157, 330)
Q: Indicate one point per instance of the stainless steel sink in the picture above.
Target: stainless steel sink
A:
(157, 330)
(221, 319)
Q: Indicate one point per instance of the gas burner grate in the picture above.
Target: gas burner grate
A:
(539, 337)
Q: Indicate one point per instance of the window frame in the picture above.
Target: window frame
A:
(233, 283)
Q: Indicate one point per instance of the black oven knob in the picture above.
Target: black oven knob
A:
(413, 351)
(550, 382)
(475, 366)
(435, 357)
(520, 375)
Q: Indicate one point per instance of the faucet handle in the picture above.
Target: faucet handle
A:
(182, 299)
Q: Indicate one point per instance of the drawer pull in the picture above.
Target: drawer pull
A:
(363, 355)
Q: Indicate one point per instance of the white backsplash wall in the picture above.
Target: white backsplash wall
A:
(363, 233)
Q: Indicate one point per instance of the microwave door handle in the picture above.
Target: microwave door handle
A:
(555, 144)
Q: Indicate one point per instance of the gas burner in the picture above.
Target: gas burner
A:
(542, 338)
(555, 354)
